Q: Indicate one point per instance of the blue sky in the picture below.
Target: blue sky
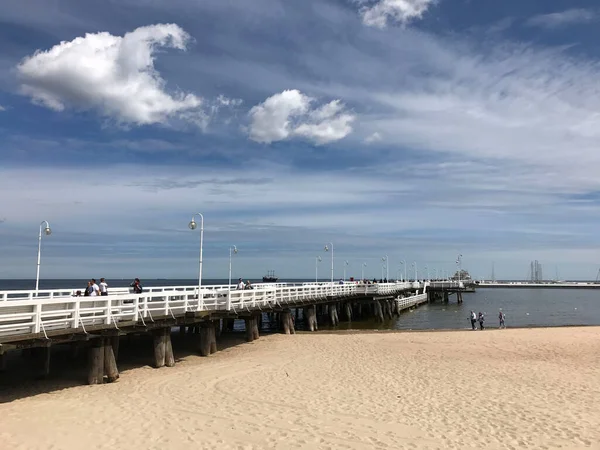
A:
(414, 128)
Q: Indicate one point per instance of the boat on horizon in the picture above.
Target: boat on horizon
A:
(270, 277)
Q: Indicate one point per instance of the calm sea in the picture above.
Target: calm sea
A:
(522, 307)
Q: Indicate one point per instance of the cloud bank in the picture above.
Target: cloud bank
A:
(565, 18)
(289, 114)
(113, 75)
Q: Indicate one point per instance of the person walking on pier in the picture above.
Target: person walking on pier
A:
(103, 287)
(473, 318)
(481, 320)
(95, 289)
(241, 286)
(501, 318)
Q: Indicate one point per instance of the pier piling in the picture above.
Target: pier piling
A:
(311, 317)
(159, 347)
(205, 339)
(96, 362)
(110, 363)
(378, 311)
(169, 357)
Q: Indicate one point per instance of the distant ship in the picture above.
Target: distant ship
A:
(270, 277)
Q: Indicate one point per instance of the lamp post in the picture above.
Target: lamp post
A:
(47, 232)
(426, 270)
(346, 263)
(192, 226)
(362, 271)
(414, 264)
(232, 250)
(403, 262)
(317, 261)
(387, 270)
(327, 249)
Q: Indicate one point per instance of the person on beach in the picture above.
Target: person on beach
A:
(95, 289)
(241, 286)
(473, 318)
(137, 286)
(501, 318)
(103, 287)
(481, 320)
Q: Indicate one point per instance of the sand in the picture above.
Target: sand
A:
(536, 388)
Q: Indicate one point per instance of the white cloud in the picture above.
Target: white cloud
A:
(564, 18)
(113, 75)
(289, 114)
(375, 137)
(401, 11)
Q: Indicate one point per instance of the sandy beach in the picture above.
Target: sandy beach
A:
(537, 388)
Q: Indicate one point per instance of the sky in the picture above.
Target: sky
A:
(412, 130)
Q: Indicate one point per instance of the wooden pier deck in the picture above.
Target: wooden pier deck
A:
(58, 317)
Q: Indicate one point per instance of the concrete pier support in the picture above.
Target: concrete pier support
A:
(348, 311)
(378, 313)
(169, 356)
(96, 362)
(110, 362)
(311, 318)
(207, 342)
(159, 342)
(287, 322)
(333, 315)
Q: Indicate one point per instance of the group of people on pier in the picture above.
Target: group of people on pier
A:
(241, 285)
(93, 289)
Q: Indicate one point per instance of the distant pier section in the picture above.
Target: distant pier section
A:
(537, 285)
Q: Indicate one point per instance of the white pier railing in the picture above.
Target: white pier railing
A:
(22, 313)
(409, 302)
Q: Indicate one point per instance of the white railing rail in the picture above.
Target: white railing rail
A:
(26, 314)
(407, 302)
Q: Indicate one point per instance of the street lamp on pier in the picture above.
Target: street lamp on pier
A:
(385, 260)
(362, 271)
(346, 263)
(192, 226)
(403, 262)
(426, 270)
(47, 232)
(232, 251)
(317, 261)
(414, 264)
(327, 249)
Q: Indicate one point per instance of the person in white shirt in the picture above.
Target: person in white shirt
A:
(103, 287)
(241, 285)
(95, 288)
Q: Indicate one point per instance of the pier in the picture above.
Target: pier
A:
(35, 323)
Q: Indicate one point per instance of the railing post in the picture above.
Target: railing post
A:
(76, 313)
(136, 309)
(38, 317)
(108, 310)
